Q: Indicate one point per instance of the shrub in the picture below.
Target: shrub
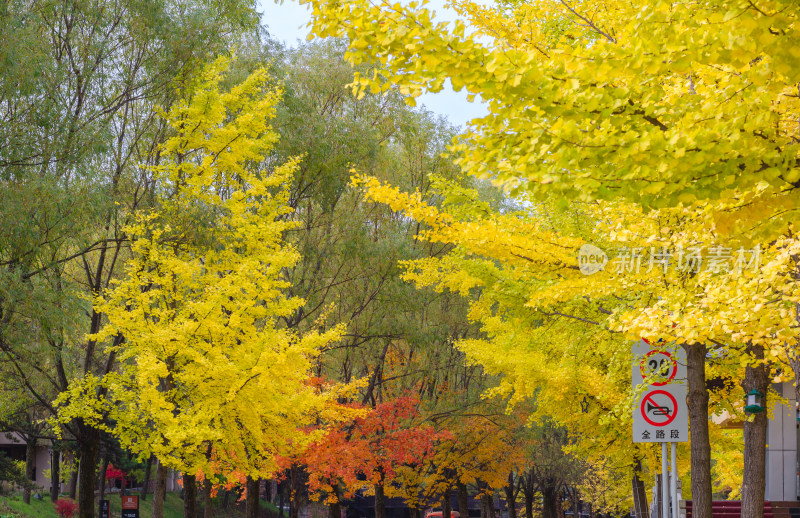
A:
(66, 508)
(14, 472)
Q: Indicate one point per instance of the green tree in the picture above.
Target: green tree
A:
(80, 82)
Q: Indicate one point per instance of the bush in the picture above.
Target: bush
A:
(66, 508)
(13, 472)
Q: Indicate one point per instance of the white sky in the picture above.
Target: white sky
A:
(287, 23)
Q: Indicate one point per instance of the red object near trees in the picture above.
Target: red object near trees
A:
(66, 508)
(370, 449)
(113, 473)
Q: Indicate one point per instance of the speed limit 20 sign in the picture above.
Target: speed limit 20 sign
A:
(658, 375)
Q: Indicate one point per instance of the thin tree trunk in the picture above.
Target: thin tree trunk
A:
(146, 483)
(511, 497)
(72, 483)
(756, 377)
(446, 506)
(160, 491)
(527, 490)
(251, 499)
(102, 480)
(463, 499)
(294, 510)
(380, 501)
(55, 473)
(30, 467)
(576, 504)
(189, 496)
(89, 445)
(281, 502)
(335, 507)
(698, 425)
(207, 498)
(640, 506)
(488, 504)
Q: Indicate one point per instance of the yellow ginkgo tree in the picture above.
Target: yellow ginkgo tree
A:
(208, 379)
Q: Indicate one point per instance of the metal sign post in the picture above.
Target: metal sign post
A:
(673, 464)
(664, 482)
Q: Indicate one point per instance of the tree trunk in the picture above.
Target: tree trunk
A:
(549, 501)
(294, 510)
(576, 504)
(160, 491)
(527, 490)
(446, 506)
(697, 400)
(55, 473)
(640, 506)
(756, 377)
(102, 480)
(380, 501)
(146, 483)
(207, 498)
(251, 499)
(488, 504)
(30, 467)
(72, 483)
(189, 496)
(511, 497)
(335, 507)
(89, 445)
(281, 502)
(463, 499)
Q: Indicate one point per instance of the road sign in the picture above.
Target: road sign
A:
(659, 363)
(659, 407)
(658, 375)
(105, 508)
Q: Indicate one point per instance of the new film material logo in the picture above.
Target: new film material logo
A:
(591, 259)
(714, 259)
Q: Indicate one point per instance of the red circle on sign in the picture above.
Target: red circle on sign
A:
(647, 399)
(674, 367)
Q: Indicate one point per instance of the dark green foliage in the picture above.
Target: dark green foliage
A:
(13, 473)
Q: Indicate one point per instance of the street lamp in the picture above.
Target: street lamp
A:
(754, 403)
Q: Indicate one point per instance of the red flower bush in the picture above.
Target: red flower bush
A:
(66, 508)
(113, 473)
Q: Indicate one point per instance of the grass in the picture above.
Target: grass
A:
(12, 506)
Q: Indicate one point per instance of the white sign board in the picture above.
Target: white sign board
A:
(658, 375)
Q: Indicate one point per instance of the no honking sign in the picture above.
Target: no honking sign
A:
(658, 376)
